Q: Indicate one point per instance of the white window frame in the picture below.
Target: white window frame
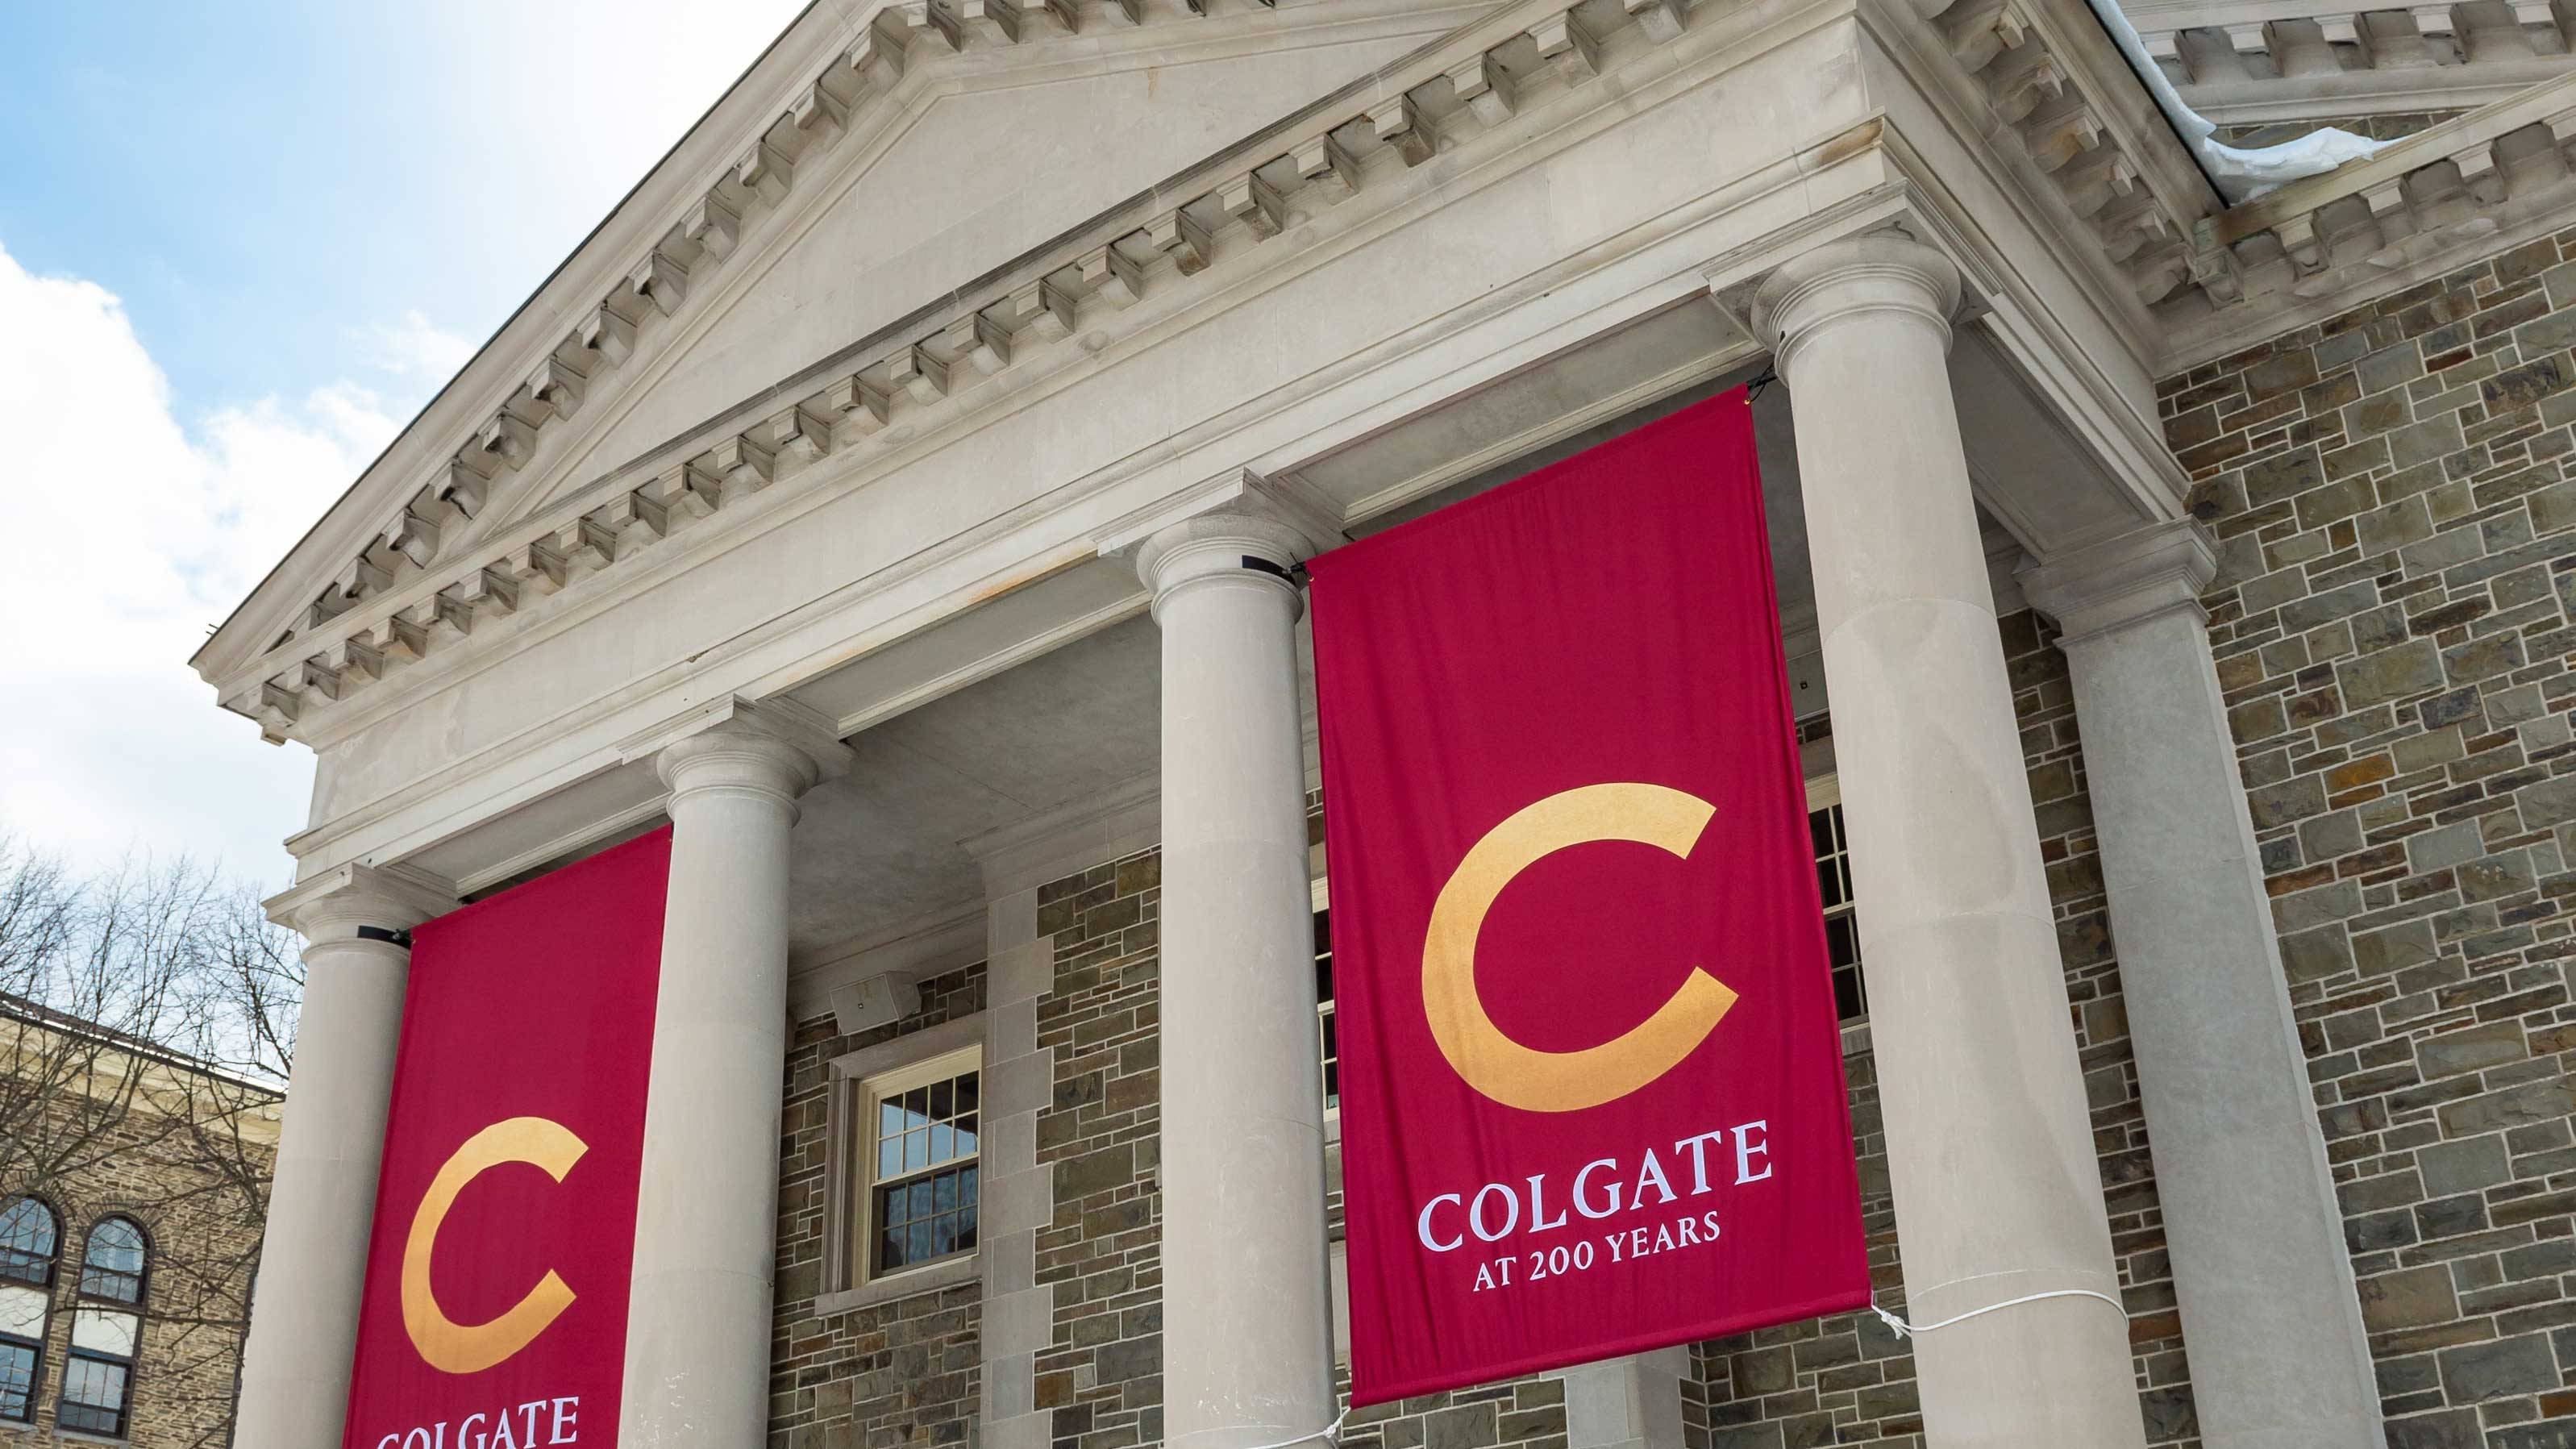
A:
(859, 1081)
(1320, 899)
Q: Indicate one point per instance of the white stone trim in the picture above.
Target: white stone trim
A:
(851, 1079)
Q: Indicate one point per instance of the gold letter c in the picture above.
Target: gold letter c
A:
(1478, 1050)
(459, 1348)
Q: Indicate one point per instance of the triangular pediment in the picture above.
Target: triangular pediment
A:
(905, 154)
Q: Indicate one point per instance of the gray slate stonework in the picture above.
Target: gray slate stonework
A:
(2391, 495)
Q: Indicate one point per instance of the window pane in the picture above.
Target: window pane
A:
(27, 1242)
(966, 1193)
(889, 1158)
(921, 1205)
(1820, 830)
(93, 1396)
(917, 1103)
(889, 1118)
(944, 1191)
(966, 1135)
(969, 1093)
(916, 1149)
(943, 1142)
(966, 1229)
(918, 1248)
(943, 1100)
(17, 1380)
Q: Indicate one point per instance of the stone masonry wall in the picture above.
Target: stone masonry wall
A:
(2391, 494)
(197, 1192)
(1850, 1380)
(903, 1373)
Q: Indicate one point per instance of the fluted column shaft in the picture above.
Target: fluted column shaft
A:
(1990, 1151)
(322, 1200)
(1247, 1325)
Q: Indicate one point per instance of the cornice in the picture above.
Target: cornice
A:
(2429, 204)
(843, 68)
(2244, 61)
(976, 347)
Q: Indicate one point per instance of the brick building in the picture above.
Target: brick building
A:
(129, 1236)
(900, 495)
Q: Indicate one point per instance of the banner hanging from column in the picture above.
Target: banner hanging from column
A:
(1591, 1082)
(495, 1308)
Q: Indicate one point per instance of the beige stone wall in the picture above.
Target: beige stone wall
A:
(196, 1192)
(2392, 620)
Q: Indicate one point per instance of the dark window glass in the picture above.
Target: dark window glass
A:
(112, 1263)
(1324, 1009)
(926, 1218)
(94, 1394)
(27, 1240)
(924, 1206)
(1842, 929)
(18, 1363)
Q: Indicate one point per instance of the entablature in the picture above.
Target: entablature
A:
(1533, 263)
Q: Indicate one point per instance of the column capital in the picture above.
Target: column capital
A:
(1880, 272)
(776, 747)
(1238, 525)
(2108, 586)
(333, 906)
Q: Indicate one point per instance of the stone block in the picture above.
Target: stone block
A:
(2410, 668)
(2425, 441)
(2473, 1373)
(2548, 802)
(2449, 1429)
(2336, 603)
(2315, 955)
(2474, 1049)
(2408, 1299)
(2553, 509)
(2257, 719)
(2288, 801)
(2485, 658)
(1466, 1426)
(2383, 530)
(2303, 910)
(2521, 1106)
(2444, 847)
(2344, 497)
(2463, 1166)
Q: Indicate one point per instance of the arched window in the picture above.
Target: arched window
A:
(107, 1330)
(112, 1266)
(28, 1237)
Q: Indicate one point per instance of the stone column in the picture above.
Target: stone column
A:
(1248, 1329)
(1990, 1151)
(322, 1202)
(698, 1325)
(2270, 1322)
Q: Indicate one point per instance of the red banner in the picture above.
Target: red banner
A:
(495, 1310)
(1592, 1088)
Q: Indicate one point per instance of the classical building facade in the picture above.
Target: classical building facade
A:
(129, 1235)
(900, 495)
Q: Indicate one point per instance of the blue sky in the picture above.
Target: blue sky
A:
(239, 246)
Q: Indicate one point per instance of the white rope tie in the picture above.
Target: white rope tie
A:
(1331, 1434)
(1903, 1329)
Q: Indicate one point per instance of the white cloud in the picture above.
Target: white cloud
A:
(416, 349)
(124, 535)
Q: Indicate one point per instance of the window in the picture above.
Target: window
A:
(27, 1237)
(30, 1238)
(96, 1392)
(923, 1125)
(1324, 1010)
(112, 1267)
(1834, 885)
(98, 1375)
